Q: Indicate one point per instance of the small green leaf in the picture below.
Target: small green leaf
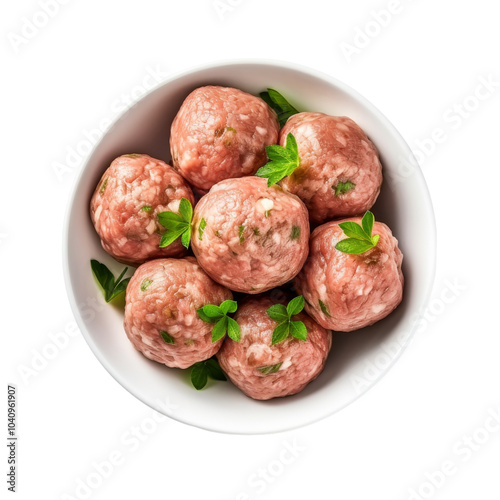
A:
(229, 306)
(214, 369)
(283, 161)
(170, 220)
(170, 236)
(186, 210)
(324, 308)
(146, 208)
(343, 187)
(375, 239)
(295, 306)
(281, 332)
(278, 313)
(233, 329)
(212, 311)
(298, 330)
(186, 238)
(146, 284)
(240, 233)
(295, 233)
(353, 246)
(199, 375)
(111, 287)
(119, 288)
(354, 230)
(266, 370)
(201, 228)
(367, 222)
(167, 338)
(206, 318)
(219, 329)
(280, 105)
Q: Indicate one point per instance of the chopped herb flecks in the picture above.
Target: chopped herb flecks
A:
(146, 284)
(324, 308)
(295, 233)
(343, 187)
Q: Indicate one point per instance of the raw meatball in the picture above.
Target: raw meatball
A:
(125, 204)
(221, 133)
(161, 301)
(250, 237)
(346, 292)
(265, 371)
(340, 174)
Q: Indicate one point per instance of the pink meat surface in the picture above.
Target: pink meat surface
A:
(340, 173)
(265, 371)
(163, 296)
(345, 292)
(221, 133)
(125, 204)
(250, 237)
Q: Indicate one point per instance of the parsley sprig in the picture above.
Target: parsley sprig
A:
(177, 225)
(283, 316)
(223, 323)
(283, 161)
(202, 370)
(277, 102)
(111, 287)
(360, 237)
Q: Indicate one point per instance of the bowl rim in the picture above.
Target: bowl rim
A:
(247, 62)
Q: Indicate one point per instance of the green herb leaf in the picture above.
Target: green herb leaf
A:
(229, 306)
(343, 187)
(278, 313)
(298, 330)
(295, 233)
(233, 329)
(220, 328)
(295, 306)
(360, 236)
(283, 161)
(324, 308)
(199, 375)
(167, 338)
(177, 225)
(281, 332)
(214, 369)
(201, 228)
(266, 370)
(283, 316)
(106, 279)
(277, 102)
(211, 313)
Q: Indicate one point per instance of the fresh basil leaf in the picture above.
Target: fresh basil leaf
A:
(353, 246)
(233, 329)
(298, 330)
(367, 223)
(266, 370)
(166, 337)
(104, 276)
(206, 318)
(119, 288)
(278, 313)
(229, 306)
(199, 375)
(283, 161)
(214, 369)
(212, 311)
(170, 236)
(324, 308)
(201, 228)
(186, 210)
(295, 306)
(354, 230)
(219, 329)
(281, 332)
(186, 238)
(280, 105)
(167, 219)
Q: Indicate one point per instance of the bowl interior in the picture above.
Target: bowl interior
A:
(357, 359)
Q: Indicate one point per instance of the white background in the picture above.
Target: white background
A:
(61, 81)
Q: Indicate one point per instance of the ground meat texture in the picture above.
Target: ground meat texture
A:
(250, 237)
(340, 173)
(265, 371)
(346, 292)
(160, 312)
(125, 204)
(221, 133)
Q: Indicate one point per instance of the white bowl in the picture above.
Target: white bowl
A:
(357, 359)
